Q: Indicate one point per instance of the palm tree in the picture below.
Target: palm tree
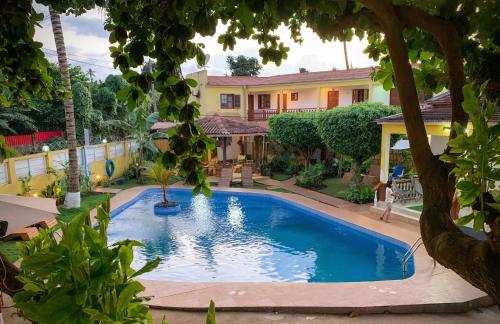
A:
(137, 125)
(72, 199)
(345, 56)
(157, 172)
(7, 117)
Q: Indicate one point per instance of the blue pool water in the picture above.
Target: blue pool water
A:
(242, 237)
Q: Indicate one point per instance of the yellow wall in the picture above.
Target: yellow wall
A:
(39, 182)
(438, 129)
(209, 95)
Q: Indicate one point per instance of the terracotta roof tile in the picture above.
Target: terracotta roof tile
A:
(322, 76)
(430, 115)
(219, 126)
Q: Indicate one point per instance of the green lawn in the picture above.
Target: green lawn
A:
(335, 187)
(89, 201)
(280, 176)
(133, 183)
(416, 208)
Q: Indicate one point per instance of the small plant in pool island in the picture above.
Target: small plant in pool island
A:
(157, 172)
(78, 278)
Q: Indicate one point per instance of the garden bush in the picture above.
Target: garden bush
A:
(57, 143)
(353, 131)
(313, 177)
(297, 133)
(78, 278)
(359, 194)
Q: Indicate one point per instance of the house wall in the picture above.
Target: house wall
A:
(209, 96)
(437, 131)
(12, 184)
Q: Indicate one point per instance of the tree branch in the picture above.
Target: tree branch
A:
(448, 39)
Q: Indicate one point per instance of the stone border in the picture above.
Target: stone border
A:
(431, 289)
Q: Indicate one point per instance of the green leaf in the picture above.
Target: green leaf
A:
(191, 82)
(148, 267)
(464, 220)
(211, 313)
(127, 294)
(469, 191)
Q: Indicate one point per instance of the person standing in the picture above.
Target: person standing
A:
(389, 199)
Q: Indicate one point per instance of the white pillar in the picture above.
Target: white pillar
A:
(384, 156)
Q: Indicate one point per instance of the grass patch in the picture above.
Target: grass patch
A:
(130, 183)
(89, 201)
(280, 176)
(9, 249)
(416, 208)
(335, 187)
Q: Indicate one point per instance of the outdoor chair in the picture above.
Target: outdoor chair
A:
(226, 176)
(398, 171)
(417, 187)
(24, 234)
(402, 190)
(247, 176)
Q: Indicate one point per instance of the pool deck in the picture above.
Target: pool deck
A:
(431, 289)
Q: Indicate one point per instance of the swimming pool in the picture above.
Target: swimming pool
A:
(250, 237)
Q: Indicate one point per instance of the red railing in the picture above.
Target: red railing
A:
(258, 115)
(30, 139)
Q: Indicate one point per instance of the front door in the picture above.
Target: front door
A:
(284, 102)
(250, 107)
(333, 99)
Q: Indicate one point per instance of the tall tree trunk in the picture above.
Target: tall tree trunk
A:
(356, 172)
(472, 259)
(73, 195)
(345, 56)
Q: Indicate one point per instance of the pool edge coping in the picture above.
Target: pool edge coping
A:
(185, 295)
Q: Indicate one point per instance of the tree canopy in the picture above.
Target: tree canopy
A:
(296, 132)
(243, 66)
(450, 40)
(353, 131)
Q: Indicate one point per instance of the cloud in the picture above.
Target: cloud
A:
(87, 45)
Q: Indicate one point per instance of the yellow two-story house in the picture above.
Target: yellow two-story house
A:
(254, 98)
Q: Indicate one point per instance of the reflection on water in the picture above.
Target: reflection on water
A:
(232, 237)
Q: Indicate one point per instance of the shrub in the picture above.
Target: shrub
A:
(359, 195)
(57, 143)
(265, 169)
(79, 278)
(353, 131)
(296, 132)
(313, 177)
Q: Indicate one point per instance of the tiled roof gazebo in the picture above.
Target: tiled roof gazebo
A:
(218, 126)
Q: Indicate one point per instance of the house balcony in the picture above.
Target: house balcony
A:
(265, 114)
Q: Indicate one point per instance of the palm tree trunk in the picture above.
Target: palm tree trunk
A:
(345, 56)
(73, 195)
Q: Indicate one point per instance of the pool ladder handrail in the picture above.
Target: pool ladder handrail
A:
(410, 253)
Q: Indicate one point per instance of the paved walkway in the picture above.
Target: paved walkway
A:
(363, 209)
(290, 186)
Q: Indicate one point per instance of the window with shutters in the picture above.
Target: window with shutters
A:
(359, 95)
(229, 101)
(264, 101)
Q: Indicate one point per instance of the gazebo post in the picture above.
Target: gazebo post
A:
(224, 153)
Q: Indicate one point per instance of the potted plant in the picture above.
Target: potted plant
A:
(157, 172)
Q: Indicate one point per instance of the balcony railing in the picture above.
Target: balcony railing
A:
(264, 114)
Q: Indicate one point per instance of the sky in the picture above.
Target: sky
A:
(87, 45)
